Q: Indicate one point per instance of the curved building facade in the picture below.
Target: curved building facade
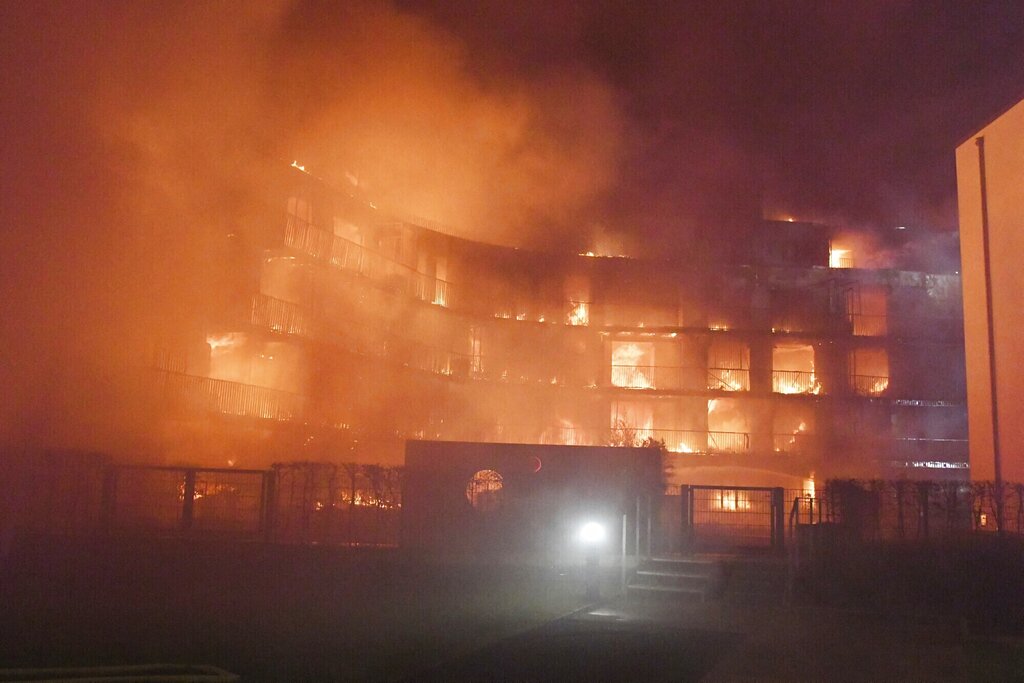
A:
(770, 363)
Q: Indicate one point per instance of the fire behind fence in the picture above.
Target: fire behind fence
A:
(349, 504)
(344, 504)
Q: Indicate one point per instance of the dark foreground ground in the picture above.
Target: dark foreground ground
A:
(320, 614)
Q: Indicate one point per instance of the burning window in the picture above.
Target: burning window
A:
(441, 281)
(792, 429)
(867, 308)
(476, 359)
(728, 366)
(577, 294)
(793, 369)
(631, 423)
(729, 500)
(840, 256)
(728, 427)
(579, 313)
(229, 356)
(869, 371)
(633, 365)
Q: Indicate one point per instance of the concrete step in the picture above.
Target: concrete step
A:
(636, 588)
(676, 575)
(679, 575)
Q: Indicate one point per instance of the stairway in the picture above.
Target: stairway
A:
(679, 576)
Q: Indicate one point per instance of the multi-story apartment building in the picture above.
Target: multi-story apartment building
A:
(771, 362)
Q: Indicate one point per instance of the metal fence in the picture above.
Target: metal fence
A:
(335, 504)
(905, 509)
(67, 495)
(736, 517)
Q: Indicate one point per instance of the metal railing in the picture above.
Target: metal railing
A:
(869, 385)
(355, 258)
(633, 376)
(795, 382)
(203, 394)
(675, 440)
(728, 379)
(280, 316)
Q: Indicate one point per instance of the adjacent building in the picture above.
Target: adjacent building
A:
(990, 183)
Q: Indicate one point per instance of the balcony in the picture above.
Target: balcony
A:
(203, 394)
(676, 440)
(795, 382)
(356, 259)
(280, 316)
(728, 379)
(634, 376)
(869, 385)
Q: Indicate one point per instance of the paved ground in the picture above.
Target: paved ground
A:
(309, 614)
(592, 647)
(722, 641)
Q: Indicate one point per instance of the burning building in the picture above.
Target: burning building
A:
(769, 363)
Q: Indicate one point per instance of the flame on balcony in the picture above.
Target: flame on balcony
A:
(225, 341)
(801, 429)
(441, 294)
(878, 386)
(839, 257)
(870, 369)
(794, 382)
(729, 380)
(579, 313)
(793, 369)
(631, 367)
(728, 426)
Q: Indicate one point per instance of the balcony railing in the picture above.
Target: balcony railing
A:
(728, 379)
(795, 382)
(633, 376)
(676, 440)
(354, 258)
(204, 394)
(869, 385)
(280, 316)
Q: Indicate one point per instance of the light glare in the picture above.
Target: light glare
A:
(592, 533)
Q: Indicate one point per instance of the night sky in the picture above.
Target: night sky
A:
(837, 111)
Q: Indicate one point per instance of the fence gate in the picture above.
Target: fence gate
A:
(732, 518)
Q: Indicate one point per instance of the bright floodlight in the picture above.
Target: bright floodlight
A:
(592, 533)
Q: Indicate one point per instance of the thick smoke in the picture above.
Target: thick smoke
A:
(366, 95)
(143, 134)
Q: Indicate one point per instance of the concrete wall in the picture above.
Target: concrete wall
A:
(1004, 173)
